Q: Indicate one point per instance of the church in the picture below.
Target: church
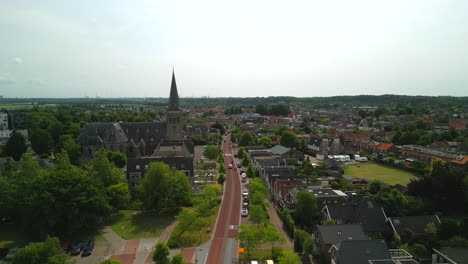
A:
(145, 142)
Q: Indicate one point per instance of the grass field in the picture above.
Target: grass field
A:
(374, 171)
(137, 224)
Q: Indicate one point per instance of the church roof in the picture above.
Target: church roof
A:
(174, 96)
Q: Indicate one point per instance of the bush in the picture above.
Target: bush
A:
(277, 252)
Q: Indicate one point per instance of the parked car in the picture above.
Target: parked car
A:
(66, 247)
(245, 205)
(88, 248)
(230, 166)
(244, 179)
(76, 249)
(239, 164)
(244, 212)
(245, 192)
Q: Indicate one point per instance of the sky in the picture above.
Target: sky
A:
(242, 48)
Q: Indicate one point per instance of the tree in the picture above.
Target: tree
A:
(163, 190)
(72, 148)
(448, 228)
(16, 145)
(211, 152)
(161, 254)
(221, 178)
(249, 237)
(111, 261)
(392, 200)
(257, 215)
(188, 221)
(206, 201)
(119, 195)
(289, 257)
(65, 201)
(47, 252)
(374, 186)
(257, 191)
(265, 141)
(270, 234)
(307, 212)
(177, 259)
(300, 236)
(250, 171)
(118, 158)
(289, 139)
(248, 138)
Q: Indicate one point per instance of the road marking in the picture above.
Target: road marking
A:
(227, 154)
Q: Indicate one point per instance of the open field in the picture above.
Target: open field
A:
(374, 171)
(131, 224)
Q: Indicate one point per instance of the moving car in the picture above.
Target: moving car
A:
(88, 248)
(230, 166)
(244, 212)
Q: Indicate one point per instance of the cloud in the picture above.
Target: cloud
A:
(121, 66)
(18, 60)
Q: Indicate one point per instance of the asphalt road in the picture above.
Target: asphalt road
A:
(223, 245)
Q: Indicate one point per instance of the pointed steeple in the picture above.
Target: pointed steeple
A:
(174, 95)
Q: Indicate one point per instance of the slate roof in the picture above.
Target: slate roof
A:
(332, 234)
(416, 224)
(360, 211)
(279, 150)
(361, 251)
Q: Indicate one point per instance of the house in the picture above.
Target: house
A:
(323, 195)
(359, 252)
(285, 152)
(324, 236)
(357, 210)
(323, 146)
(415, 225)
(450, 255)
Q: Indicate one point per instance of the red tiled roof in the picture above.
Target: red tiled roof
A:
(457, 124)
(384, 146)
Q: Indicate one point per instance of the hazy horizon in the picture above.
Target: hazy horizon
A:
(118, 49)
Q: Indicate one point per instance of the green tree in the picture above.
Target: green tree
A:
(47, 252)
(118, 158)
(374, 186)
(48, 199)
(161, 254)
(119, 195)
(265, 141)
(270, 234)
(211, 152)
(392, 200)
(249, 237)
(188, 220)
(250, 171)
(300, 236)
(307, 211)
(72, 148)
(289, 139)
(16, 145)
(163, 190)
(289, 257)
(257, 191)
(248, 138)
(206, 201)
(257, 215)
(221, 178)
(177, 259)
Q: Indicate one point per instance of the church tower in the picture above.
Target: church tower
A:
(174, 115)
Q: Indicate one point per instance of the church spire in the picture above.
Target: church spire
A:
(174, 96)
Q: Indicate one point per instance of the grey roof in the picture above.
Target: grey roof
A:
(332, 234)
(270, 161)
(416, 224)
(279, 150)
(360, 211)
(174, 96)
(458, 255)
(361, 251)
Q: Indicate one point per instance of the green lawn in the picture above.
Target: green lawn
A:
(137, 224)
(374, 171)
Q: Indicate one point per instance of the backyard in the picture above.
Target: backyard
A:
(374, 171)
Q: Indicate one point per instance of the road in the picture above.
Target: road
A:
(224, 244)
